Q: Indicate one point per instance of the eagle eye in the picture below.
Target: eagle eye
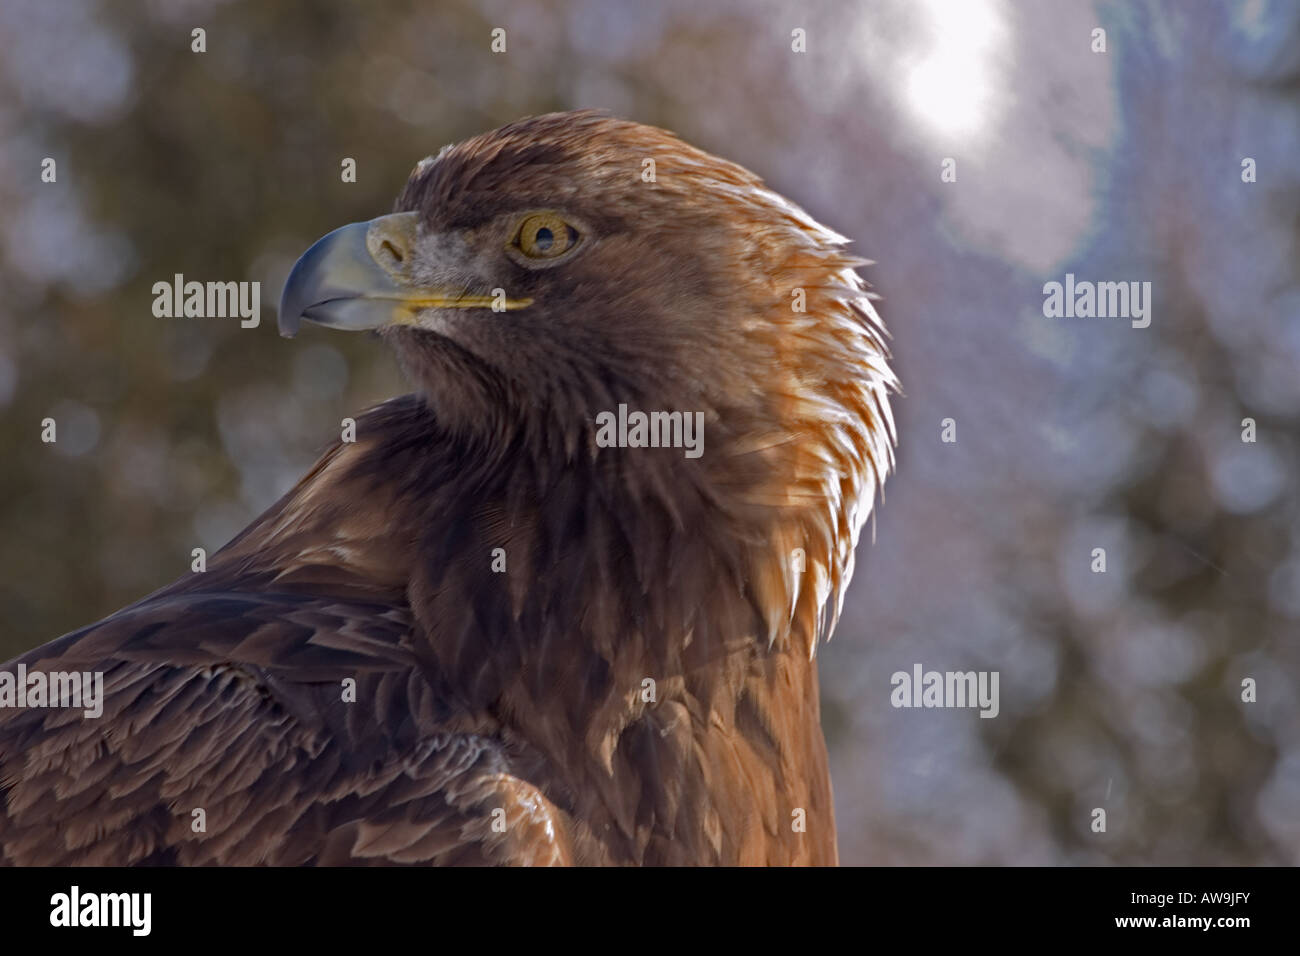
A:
(544, 236)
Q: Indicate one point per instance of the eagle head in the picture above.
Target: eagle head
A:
(534, 279)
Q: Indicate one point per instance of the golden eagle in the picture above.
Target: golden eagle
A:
(497, 628)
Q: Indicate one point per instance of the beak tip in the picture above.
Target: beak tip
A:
(289, 322)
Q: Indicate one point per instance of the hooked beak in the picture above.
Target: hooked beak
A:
(356, 278)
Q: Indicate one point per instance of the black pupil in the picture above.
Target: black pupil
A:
(544, 239)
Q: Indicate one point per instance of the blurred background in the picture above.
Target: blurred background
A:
(1119, 690)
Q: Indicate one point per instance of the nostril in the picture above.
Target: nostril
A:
(392, 250)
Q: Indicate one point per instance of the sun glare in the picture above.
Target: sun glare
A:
(949, 86)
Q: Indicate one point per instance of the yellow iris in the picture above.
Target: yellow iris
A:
(545, 235)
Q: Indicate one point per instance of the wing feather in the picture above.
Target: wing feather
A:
(232, 704)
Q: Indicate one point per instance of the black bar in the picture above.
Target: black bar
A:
(436, 907)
